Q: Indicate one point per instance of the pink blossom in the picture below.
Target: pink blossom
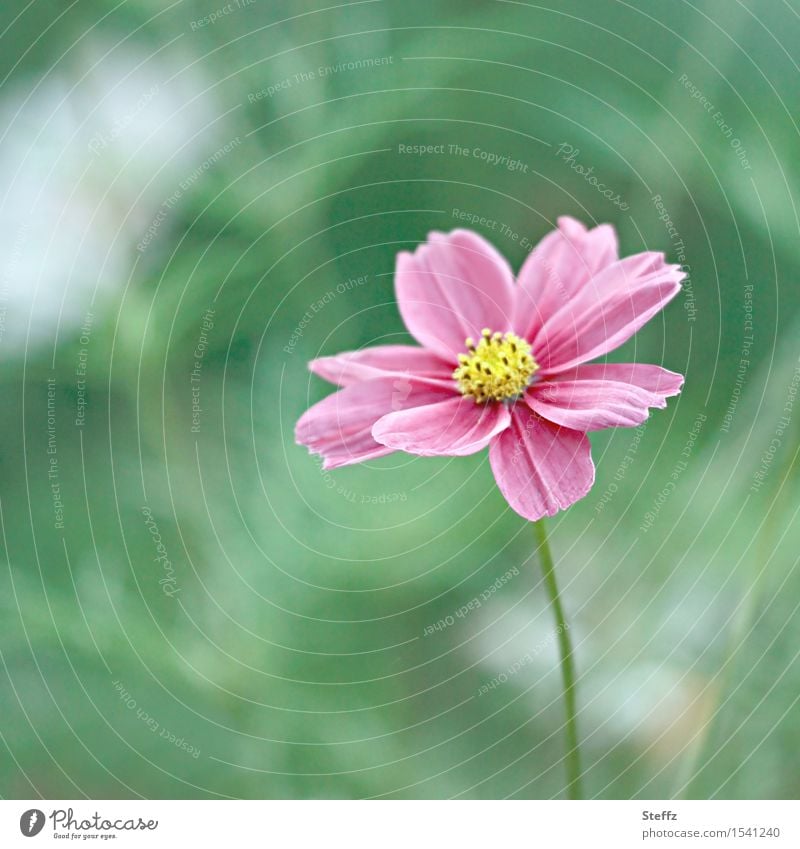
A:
(503, 363)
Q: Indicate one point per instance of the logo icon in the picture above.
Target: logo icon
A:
(31, 822)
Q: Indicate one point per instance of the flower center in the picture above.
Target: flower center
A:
(498, 368)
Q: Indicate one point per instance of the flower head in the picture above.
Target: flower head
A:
(503, 363)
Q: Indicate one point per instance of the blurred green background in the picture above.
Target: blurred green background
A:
(160, 161)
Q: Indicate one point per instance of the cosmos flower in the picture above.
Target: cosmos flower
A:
(503, 363)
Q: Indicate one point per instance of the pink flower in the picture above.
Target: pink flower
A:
(503, 364)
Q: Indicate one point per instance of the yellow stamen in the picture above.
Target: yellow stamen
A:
(498, 368)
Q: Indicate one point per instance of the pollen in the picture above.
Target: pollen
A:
(498, 368)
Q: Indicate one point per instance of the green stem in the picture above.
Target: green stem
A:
(572, 756)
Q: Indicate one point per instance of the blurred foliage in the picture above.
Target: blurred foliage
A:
(293, 655)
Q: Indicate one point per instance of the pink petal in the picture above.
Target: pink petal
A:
(540, 468)
(454, 428)
(382, 361)
(340, 426)
(601, 395)
(609, 309)
(558, 268)
(451, 288)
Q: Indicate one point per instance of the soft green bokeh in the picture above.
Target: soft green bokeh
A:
(293, 655)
